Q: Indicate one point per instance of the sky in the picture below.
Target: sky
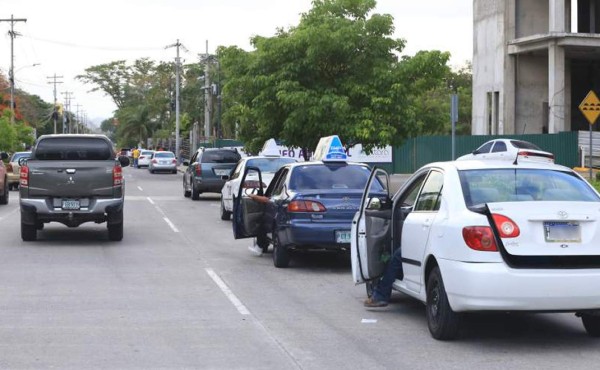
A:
(65, 37)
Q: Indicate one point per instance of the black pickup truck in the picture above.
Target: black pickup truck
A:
(72, 179)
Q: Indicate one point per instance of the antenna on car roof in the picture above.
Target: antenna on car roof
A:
(516, 158)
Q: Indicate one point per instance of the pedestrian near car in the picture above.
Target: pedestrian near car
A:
(136, 156)
(382, 292)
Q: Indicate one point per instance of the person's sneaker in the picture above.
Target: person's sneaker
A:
(370, 302)
(256, 250)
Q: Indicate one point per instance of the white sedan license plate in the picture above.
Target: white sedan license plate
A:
(221, 172)
(342, 236)
(560, 232)
(70, 204)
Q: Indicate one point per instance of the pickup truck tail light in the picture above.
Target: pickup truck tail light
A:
(480, 238)
(117, 175)
(305, 206)
(24, 176)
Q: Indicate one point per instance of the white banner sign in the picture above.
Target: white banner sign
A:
(355, 154)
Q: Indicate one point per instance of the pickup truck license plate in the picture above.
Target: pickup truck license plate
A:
(560, 232)
(70, 204)
(342, 236)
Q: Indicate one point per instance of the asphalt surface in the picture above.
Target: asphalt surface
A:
(179, 292)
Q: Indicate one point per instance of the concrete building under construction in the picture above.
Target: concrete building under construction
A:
(534, 61)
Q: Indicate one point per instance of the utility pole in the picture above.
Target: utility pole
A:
(207, 95)
(11, 74)
(77, 118)
(68, 96)
(55, 112)
(177, 71)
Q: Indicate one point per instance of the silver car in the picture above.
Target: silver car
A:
(163, 161)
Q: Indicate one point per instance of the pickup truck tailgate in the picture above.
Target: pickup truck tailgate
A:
(71, 178)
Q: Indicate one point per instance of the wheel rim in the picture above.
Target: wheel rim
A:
(434, 304)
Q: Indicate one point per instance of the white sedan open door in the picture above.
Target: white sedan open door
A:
(371, 229)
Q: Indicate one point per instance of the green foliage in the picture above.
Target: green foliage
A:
(337, 72)
(8, 134)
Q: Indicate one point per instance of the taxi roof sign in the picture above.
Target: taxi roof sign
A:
(330, 149)
(270, 149)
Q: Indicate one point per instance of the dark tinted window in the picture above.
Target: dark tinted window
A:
(500, 146)
(485, 148)
(220, 156)
(73, 149)
(331, 176)
(269, 164)
(524, 145)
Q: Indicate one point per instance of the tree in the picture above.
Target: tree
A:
(337, 72)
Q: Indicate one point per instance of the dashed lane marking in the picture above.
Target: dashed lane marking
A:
(171, 225)
(228, 293)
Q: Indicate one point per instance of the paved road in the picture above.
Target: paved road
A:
(179, 292)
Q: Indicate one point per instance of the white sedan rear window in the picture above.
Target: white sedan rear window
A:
(520, 185)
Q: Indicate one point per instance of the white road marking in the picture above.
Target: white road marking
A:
(171, 225)
(150, 200)
(368, 321)
(228, 293)
(139, 187)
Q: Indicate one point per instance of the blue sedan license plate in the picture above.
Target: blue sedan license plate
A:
(70, 204)
(342, 236)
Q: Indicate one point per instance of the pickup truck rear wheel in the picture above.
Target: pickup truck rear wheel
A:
(4, 197)
(115, 232)
(28, 232)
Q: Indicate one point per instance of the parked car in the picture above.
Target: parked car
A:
(509, 150)
(145, 158)
(310, 204)
(269, 161)
(485, 236)
(13, 169)
(4, 189)
(206, 169)
(163, 161)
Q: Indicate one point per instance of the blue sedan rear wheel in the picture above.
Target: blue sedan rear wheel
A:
(281, 255)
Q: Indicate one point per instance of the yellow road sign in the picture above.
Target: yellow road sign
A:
(590, 107)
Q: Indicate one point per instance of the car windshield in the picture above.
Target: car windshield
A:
(164, 155)
(519, 185)
(331, 176)
(524, 145)
(220, 156)
(20, 155)
(269, 164)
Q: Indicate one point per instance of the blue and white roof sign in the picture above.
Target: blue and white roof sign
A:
(330, 149)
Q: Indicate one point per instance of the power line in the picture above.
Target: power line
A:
(55, 113)
(94, 47)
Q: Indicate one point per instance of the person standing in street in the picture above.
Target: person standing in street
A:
(136, 155)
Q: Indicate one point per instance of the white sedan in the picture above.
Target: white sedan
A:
(486, 236)
(268, 165)
(509, 150)
(145, 158)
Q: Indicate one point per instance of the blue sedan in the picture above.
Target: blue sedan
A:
(307, 206)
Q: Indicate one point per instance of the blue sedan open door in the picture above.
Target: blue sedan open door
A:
(372, 230)
(248, 214)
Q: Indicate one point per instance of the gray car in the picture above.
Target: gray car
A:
(164, 162)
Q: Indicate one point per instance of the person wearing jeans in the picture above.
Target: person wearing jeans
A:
(383, 290)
